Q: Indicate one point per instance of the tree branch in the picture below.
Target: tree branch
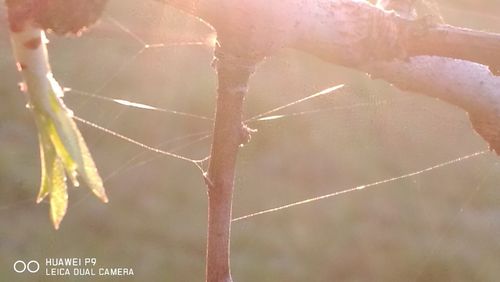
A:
(462, 43)
(465, 84)
(229, 134)
(363, 36)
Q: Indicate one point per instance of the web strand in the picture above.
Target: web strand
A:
(361, 187)
(136, 105)
(316, 111)
(126, 30)
(144, 45)
(262, 117)
(317, 94)
(142, 145)
(129, 163)
(175, 149)
(175, 44)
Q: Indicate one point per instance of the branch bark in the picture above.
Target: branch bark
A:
(229, 134)
(366, 37)
(465, 84)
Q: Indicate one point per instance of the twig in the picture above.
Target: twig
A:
(229, 134)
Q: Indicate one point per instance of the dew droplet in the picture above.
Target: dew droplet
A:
(23, 87)
(20, 66)
(73, 177)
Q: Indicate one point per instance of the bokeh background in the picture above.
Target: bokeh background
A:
(443, 225)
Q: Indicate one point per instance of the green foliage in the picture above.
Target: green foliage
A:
(63, 151)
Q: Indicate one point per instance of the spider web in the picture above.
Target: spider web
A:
(357, 133)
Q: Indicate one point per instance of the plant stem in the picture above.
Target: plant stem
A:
(63, 151)
(229, 135)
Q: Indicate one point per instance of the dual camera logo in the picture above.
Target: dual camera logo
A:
(31, 266)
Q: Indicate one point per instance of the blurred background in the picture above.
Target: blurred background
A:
(442, 225)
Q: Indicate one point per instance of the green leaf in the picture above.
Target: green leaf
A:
(70, 140)
(63, 151)
(47, 156)
(89, 171)
(59, 193)
(53, 181)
